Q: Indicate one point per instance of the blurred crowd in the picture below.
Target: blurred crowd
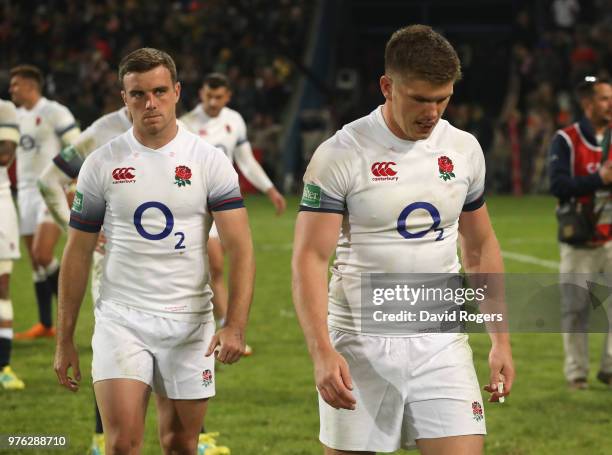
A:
(78, 45)
(555, 45)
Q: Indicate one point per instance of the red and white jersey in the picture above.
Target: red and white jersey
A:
(400, 201)
(45, 129)
(585, 160)
(155, 207)
(9, 131)
(228, 132)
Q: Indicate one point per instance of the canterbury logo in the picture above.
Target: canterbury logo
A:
(124, 174)
(383, 170)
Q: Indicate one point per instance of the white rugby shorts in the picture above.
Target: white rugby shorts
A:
(9, 230)
(407, 388)
(166, 354)
(32, 210)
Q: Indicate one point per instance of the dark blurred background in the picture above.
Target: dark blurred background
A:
(301, 69)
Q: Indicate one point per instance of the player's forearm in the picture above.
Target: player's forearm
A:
(483, 256)
(241, 281)
(74, 272)
(310, 299)
(51, 185)
(251, 169)
(484, 264)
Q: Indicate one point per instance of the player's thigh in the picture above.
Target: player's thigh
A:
(376, 423)
(180, 421)
(330, 451)
(453, 445)
(45, 238)
(123, 407)
(181, 370)
(215, 255)
(28, 240)
(28, 201)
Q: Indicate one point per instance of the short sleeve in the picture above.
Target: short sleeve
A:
(9, 129)
(327, 179)
(63, 124)
(71, 158)
(475, 195)
(222, 179)
(89, 205)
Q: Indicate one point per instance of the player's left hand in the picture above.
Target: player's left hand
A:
(501, 369)
(277, 199)
(228, 345)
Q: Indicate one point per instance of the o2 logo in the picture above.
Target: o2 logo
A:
(433, 212)
(154, 205)
(27, 142)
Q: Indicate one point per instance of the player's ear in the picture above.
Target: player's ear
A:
(124, 97)
(386, 85)
(177, 91)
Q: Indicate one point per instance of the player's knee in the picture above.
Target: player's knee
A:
(4, 285)
(179, 443)
(42, 257)
(122, 443)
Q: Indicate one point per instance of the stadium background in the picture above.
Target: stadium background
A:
(300, 69)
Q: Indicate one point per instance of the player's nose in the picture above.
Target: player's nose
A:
(150, 101)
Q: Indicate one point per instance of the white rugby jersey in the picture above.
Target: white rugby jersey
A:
(45, 129)
(400, 199)
(155, 206)
(107, 127)
(9, 131)
(227, 131)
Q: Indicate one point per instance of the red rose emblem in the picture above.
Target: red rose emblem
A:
(445, 167)
(445, 164)
(183, 172)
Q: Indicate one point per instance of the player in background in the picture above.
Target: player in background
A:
(225, 128)
(45, 127)
(9, 242)
(155, 175)
(60, 173)
(394, 192)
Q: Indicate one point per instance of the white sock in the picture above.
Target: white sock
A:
(52, 267)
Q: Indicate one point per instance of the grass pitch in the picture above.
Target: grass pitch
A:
(267, 404)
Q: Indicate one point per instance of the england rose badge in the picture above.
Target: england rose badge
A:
(445, 167)
(182, 174)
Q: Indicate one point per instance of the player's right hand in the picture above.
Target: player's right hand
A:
(66, 356)
(333, 379)
(605, 172)
(227, 344)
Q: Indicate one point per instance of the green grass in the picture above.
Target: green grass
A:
(267, 404)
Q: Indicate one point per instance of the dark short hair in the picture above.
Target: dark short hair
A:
(586, 87)
(145, 59)
(29, 72)
(216, 80)
(419, 51)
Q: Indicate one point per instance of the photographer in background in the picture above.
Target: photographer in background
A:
(580, 175)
